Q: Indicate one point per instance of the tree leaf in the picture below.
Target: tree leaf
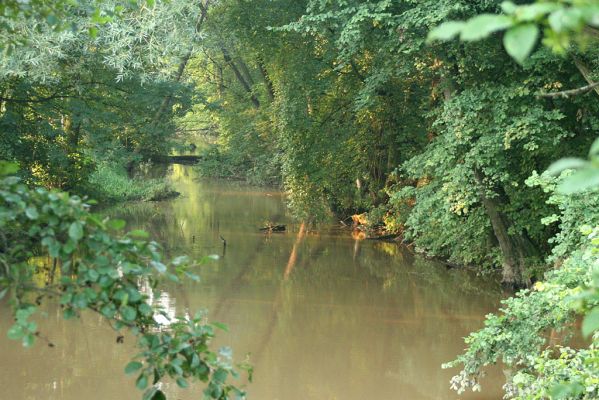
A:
(581, 180)
(508, 7)
(141, 382)
(532, 12)
(132, 367)
(129, 313)
(28, 340)
(594, 151)
(31, 212)
(221, 326)
(483, 25)
(520, 40)
(76, 231)
(566, 390)
(116, 224)
(445, 31)
(15, 332)
(160, 267)
(182, 383)
(564, 19)
(8, 168)
(591, 322)
(566, 163)
(139, 233)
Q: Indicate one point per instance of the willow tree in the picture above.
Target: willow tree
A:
(90, 87)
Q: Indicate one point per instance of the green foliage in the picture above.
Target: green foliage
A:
(92, 98)
(571, 210)
(586, 175)
(563, 22)
(517, 337)
(98, 268)
(110, 183)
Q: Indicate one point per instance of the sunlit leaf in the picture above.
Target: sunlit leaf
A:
(483, 25)
(591, 322)
(116, 224)
(76, 231)
(594, 151)
(520, 40)
(446, 31)
(31, 212)
(579, 181)
(566, 163)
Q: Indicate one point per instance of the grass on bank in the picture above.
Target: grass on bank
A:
(109, 183)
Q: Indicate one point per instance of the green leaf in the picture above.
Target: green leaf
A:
(76, 231)
(594, 151)
(483, 25)
(565, 19)
(591, 322)
(141, 382)
(508, 7)
(445, 31)
(145, 309)
(116, 224)
(566, 390)
(221, 326)
(532, 12)
(566, 163)
(93, 275)
(182, 383)
(139, 233)
(581, 180)
(220, 375)
(520, 40)
(129, 313)
(8, 168)
(160, 267)
(132, 367)
(180, 260)
(15, 332)
(28, 340)
(31, 212)
(69, 313)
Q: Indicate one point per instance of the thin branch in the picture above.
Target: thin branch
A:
(571, 92)
(39, 100)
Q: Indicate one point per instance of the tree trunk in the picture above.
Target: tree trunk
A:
(246, 71)
(221, 84)
(584, 70)
(269, 86)
(515, 249)
(240, 77)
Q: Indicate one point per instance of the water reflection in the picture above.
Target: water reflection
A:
(323, 316)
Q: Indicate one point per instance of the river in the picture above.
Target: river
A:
(321, 315)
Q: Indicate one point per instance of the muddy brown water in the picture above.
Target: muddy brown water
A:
(322, 316)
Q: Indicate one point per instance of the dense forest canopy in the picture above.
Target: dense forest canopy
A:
(352, 107)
